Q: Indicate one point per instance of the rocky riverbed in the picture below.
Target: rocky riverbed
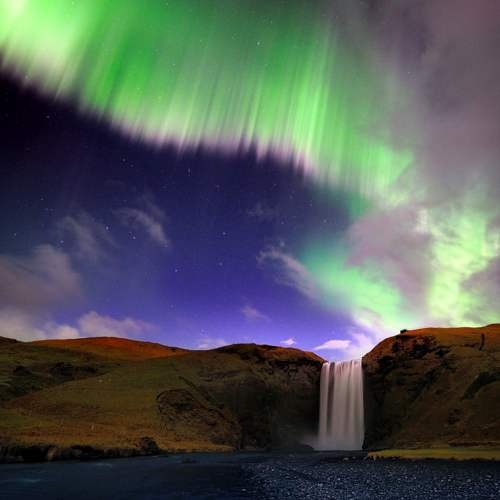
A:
(252, 475)
(320, 477)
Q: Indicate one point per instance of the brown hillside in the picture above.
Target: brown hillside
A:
(30, 367)
(6, 340)
(236, 397)
(434, 387)
(115, 347)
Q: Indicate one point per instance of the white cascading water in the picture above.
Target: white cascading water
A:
(341, 409)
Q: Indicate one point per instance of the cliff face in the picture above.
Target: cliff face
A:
(434, 387)
(79, 399)
(260, 395)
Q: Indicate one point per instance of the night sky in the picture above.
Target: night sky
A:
(205, 173)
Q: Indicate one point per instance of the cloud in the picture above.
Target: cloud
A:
(149, 220)
(333, 345)
(55, 331)
(361, 344)
(89, 238)
(19, 325)
(44, 278)
(207, 342)
(290, 272)
(357, 346)
(253, 314)
(455, 174)
(26, 326)
(393, 238)
(92, 324)
(288, 342)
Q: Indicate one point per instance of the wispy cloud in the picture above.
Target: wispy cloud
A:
(24, 325)
(19, 325)
(88, 239)
(289, 271)
(207, 342)
(150, 218)
(253, 314)
(333, 344)
(92, 324)
(340, 349)
(44, 278)
(288, 342)
(361, 344)
(56, 331)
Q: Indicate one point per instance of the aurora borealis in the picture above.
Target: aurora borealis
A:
(195, 72)
(367, 101)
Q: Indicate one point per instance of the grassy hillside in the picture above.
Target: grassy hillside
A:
(113, 347)
(242, 396)
(449, 453)
(29, 367)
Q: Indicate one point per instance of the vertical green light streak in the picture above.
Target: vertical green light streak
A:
(221, 73)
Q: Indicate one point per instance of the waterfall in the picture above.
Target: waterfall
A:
(341, 409)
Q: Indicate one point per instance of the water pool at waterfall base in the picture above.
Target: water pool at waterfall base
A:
(317, 475)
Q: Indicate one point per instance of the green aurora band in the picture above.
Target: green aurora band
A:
(221, 73)
(363, 290)
(274, 76)
(465, 243)
(462, 247)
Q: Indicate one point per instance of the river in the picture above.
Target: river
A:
(251, 475)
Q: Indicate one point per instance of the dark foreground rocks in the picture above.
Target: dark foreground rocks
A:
(357, 478)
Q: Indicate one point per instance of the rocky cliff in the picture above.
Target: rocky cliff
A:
(102, 397)
(434, 387)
